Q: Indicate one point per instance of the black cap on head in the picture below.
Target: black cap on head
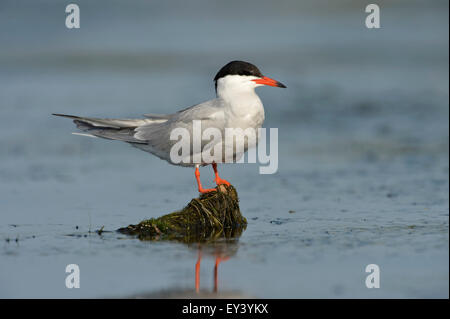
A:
(238, 68)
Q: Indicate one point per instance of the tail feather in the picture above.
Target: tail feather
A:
(113, 129)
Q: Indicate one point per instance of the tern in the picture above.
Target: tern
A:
(236, 106)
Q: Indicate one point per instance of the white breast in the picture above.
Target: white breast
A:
(242, 106)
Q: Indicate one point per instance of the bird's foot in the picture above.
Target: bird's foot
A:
(220, 181)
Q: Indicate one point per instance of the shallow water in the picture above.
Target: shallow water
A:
(363, 152)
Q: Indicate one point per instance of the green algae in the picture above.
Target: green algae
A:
(207, 218)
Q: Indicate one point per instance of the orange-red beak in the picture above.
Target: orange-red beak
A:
(268, 81)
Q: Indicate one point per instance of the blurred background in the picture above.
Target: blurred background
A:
(363, 147)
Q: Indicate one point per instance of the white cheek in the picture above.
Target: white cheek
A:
(234, 85)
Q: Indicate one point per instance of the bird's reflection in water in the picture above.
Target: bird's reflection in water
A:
(220, 244)
(222, 247)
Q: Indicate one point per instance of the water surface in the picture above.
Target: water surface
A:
(363, 148)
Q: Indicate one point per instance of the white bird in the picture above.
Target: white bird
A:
(236, 106)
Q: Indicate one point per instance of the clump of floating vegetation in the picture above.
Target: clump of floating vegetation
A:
(211, 216)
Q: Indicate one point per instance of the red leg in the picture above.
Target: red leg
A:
(218, 260)
(218, 180)
(197, 272)
(199, 183)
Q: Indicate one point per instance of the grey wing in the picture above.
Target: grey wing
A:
(158, 117)
(152, 134)
(157, 135)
